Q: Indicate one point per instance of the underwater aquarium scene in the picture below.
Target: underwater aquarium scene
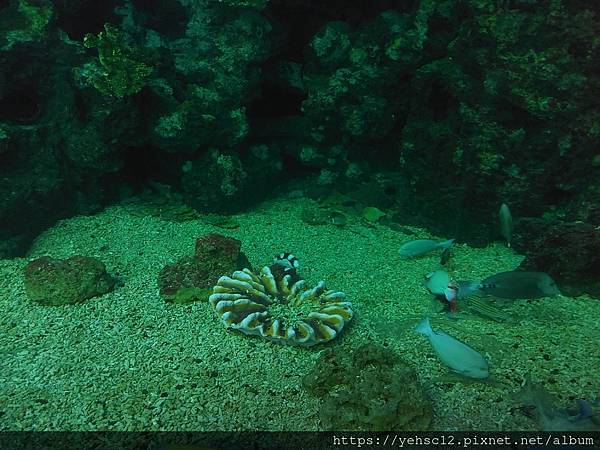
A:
(300, 216)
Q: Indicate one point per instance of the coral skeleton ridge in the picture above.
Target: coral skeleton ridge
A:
(278, 306)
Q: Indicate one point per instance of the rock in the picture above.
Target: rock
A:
(55, 282)
(568, 251)
(193, 277)
(368, 389)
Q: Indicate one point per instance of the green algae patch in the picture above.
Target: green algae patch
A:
(120, 69)
(28, 25)
(187, 295)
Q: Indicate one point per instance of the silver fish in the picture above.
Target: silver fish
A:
(421, 246)
(458, 356)
(506, 223)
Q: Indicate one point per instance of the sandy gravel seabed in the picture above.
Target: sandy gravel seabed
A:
(128, 361)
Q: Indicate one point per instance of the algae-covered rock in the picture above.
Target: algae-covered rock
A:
(224, 182)
(24, 22)
(55, 282)
(567, 251)
(120, 69)
(370, 389)
(216, 182)
(192, 277)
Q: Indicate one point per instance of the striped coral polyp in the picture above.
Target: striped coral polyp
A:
(284, 310)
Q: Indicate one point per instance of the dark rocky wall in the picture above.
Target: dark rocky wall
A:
(461, 105)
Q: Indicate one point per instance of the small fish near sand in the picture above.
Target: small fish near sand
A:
(420, 247)
(518, 284)
(506, 223)
(455, 354)
(445, 256)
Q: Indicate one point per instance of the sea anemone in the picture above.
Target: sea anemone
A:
(277, 305)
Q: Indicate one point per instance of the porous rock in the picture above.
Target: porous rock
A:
(192, 277)
(368, 389)
(55, 282)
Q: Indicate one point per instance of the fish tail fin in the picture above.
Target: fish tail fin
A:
(446, 244)
(484, 308)
(451, 293)
(424, 327)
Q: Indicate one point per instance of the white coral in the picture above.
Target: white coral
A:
(257, 305)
